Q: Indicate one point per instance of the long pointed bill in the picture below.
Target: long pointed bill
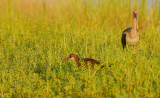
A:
(66, 59)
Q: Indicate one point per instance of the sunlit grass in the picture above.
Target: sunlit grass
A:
(35, 37)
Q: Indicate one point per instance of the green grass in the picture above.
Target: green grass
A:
(36, 37)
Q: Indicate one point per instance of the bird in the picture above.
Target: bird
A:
(130, 36)
(86, 60)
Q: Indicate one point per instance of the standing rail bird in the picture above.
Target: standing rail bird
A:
(86, 60)
(130, 36)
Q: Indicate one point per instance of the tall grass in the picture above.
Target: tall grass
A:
(36, 36)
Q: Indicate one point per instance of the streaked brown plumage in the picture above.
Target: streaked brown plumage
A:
(86, 60)
(130, 36)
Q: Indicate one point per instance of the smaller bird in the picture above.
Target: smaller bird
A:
(86, 60)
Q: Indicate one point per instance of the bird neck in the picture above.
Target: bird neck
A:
(135, 23)
(77, 61)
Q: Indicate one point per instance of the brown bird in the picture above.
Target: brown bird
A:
(130, 36)
(86, 60)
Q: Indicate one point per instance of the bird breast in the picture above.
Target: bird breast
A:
(132, 39)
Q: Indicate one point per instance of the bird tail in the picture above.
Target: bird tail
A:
(123, 40)
(102, 66)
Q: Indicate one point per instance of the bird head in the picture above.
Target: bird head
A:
(72, 56)
(135, 12)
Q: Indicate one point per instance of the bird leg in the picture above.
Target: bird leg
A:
(133, 46)
(92, 66)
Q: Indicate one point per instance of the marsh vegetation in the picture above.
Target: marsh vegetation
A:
(35, 37)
